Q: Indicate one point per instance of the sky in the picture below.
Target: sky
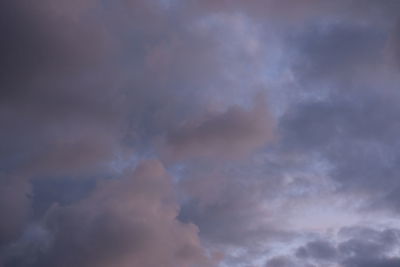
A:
(199, 133)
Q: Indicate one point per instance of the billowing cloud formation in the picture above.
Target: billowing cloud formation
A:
(123, 222)
(199, 133)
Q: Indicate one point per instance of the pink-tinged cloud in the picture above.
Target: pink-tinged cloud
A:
(232, 133)
(125, 222)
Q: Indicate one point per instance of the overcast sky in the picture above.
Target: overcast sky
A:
(200, 133)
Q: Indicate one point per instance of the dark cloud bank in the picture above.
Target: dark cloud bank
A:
(199, 133)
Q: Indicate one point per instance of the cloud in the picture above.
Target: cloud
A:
(231, 133)
(91, 89)
(15, 207)
(350, 247)
(341, 50)
(45, 92)
(279, 262)
(123, 222)
(349, 115)
(317, 249)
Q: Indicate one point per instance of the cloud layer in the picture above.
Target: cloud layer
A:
(199, 133)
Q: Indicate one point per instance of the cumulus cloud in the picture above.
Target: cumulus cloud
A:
(123, 222)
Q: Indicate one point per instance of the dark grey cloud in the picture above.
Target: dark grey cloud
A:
(48, 57)
(338, 50)
(280, 262)
(390, 262)
(354, 246)
(350, 116)
(367, 247)
(357, 132)
(318, 249)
